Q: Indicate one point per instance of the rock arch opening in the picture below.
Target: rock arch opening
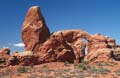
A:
(86, 49)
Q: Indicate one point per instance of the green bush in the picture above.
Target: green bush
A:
(8, 71)
(22, 69)
(92, 70)
(45, 66)
(66, 63)
(33, 76)
(102, 70)
(83, 65)
(117, 72)
(3, 61)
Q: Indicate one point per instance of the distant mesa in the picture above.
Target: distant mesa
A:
(67, 45)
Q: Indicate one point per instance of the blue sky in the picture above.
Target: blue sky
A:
(93, 16)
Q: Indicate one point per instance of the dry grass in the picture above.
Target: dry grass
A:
(62, 70)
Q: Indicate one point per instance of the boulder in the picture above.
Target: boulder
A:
(23, 58)
(54, 48)
(5, 51)
(99, 41)
(116, 54)
(100, 55)
(4, 54)
(66, 55)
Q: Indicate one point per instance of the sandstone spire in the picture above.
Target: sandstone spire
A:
(34, 30)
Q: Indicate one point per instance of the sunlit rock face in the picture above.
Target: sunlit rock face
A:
(65, 45)
(59, 46)
(116, 53)
(34, 30)
(4, 54)
(24, 58)
(100, 48)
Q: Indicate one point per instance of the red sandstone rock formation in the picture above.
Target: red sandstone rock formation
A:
(61, 46)
(100, 48)
(34, 30)
(99, 55)
(23, 58)
(116, 53)
(4, 54)
(67, 45)
(99, 41)
(57, 49)
(5, 51)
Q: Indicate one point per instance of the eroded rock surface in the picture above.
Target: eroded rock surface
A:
(99, 41)
(116, 53)
(100, 48)
(66, 45)
(23, 58)
(4, 54)
(34, 30)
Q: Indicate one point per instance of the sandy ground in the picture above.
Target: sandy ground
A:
(62, 70)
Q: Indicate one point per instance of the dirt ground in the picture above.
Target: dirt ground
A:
(63, 70)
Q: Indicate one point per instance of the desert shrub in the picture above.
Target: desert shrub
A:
(102, 70)
(92, 70)
(22, 69)
(3, 61)
(18, 74)
(45, 66)
(2, 74)
(100, 64)
(64, 76)
(82, 75)
(117, 72)
(31, 69)
(82, 66)
(83, 61)
(98, 70)
(66, 70)
(66, 63)
(8, 71)
(113, 63)
(113, 75)
(39, 70)
(96, 76)
(46, 70)
(33, 76)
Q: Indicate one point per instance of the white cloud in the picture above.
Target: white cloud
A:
(18, 45)
(5, 47)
